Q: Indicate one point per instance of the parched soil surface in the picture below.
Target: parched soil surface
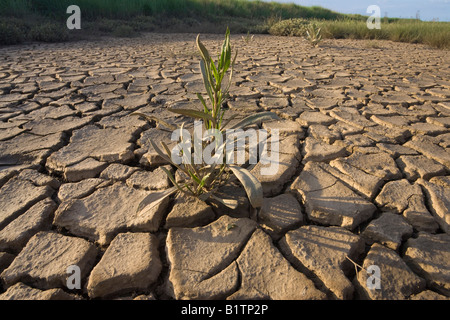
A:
(358, 207)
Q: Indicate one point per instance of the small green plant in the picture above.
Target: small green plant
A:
(248, 37)
(204, 178)
(313, 34)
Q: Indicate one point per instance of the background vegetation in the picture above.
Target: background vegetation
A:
(44, 20)
(435, 34)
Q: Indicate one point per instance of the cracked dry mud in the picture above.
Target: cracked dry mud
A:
(364, 172)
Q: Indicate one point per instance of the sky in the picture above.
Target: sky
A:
(426, 9)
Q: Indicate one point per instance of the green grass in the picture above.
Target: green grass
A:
(116, 17)
(21, 20)
(435, 34)
(120, 9)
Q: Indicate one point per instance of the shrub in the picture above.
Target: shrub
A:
(49, 32)
(289, 27)
(143, 23)
(10, 34)
(106, 25)
(124, 31)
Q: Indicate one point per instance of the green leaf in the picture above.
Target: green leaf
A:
(205, 108)
(193, 114)
(206, 79)
(256, 118)
(231, 72)
(215, 72)
(230, 203)
(186, 158)
(225, 56)
(171, 178)
(153, 199)
(194, 177)
(166, 149)
(202, 183)
(160, 153)
(203, 51)
(190, 190)
(169, 155)
(252, 186)
(221, 119)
